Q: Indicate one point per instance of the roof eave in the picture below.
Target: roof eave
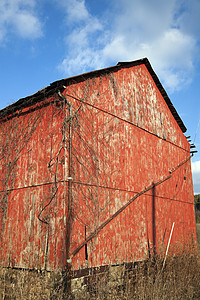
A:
(58, 85)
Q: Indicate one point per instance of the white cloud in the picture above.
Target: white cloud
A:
(76, 10)
(196, 176)
(154, 29)
(81, 42)
(81, 62)
(18, 16)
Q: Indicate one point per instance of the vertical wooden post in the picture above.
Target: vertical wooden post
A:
(68, 121)
(86, 251)
(70, 204)
(154, 219)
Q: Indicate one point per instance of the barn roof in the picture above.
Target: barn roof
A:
(58, 85)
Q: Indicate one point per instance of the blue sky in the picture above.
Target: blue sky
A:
(42, 41)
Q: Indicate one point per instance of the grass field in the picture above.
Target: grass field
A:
(198, 234)
(179, 279)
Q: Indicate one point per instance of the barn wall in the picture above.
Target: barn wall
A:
(124, 138)
(28, 143)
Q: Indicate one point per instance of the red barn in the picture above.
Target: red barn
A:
(94, 169)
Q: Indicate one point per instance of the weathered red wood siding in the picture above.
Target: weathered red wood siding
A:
(124, 138)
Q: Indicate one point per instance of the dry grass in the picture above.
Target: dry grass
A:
(25, 284)
(180, 279)
(198, 235)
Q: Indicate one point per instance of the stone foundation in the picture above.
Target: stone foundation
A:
(33, 284)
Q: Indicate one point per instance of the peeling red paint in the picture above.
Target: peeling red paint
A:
(124, 138)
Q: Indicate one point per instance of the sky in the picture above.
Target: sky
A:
(42, 41)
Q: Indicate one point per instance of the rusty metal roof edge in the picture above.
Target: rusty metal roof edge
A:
(54, 86)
